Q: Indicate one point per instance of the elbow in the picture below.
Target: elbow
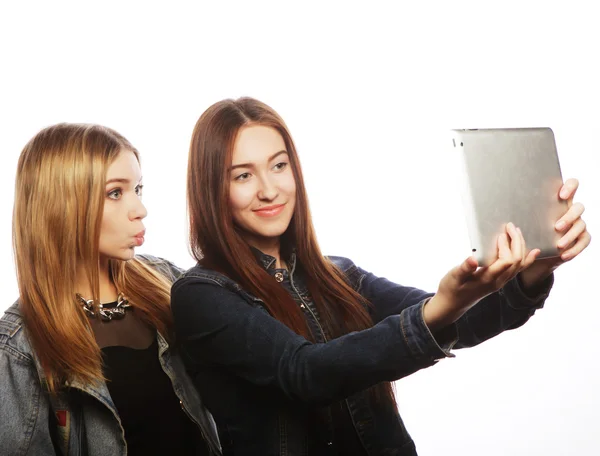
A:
(304, 377)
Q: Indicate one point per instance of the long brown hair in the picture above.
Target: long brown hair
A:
(59, 201)
(216, 243)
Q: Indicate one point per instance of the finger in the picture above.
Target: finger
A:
(569, 188)
(516, 242)
(523, 246)
(530, 258)
(518, 254)
(502, 262)
(493, 271)
(510, 256)
(466, 269)
(574, 213)
(578, 228)
(505, 277)
(503, 245)
(582, 243)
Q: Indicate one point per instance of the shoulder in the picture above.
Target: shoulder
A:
(352, 273)
(200, 284)
(200, 274)
(13, 338)
(342, 263)
(164, 267)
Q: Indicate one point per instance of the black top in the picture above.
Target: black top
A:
(150, 412)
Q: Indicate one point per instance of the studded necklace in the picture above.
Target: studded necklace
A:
(107, 312)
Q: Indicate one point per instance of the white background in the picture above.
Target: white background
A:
(369, 91)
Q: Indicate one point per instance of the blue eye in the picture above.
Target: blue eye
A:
(138, 190)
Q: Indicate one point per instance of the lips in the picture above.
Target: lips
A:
(139, 238)
(269, 211)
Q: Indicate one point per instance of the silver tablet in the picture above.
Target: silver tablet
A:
(510, 175)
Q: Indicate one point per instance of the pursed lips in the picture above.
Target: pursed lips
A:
(139, 238)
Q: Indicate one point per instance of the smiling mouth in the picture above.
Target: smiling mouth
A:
(269, 211)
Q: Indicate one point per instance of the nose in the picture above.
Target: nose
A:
(138, 210)
(267, 190)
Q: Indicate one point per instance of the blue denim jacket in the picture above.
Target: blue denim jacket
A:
(263, 383)
(82, 419)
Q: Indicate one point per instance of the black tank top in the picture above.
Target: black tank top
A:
(150, 412)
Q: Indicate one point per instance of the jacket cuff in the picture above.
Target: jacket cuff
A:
(419, 339)
(518, 299)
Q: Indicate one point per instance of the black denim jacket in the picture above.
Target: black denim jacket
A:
(265, 385)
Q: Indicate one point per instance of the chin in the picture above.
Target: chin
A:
(269, 233)
(126, 255)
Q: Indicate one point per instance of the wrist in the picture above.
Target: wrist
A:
(439, 312)
(534, 275)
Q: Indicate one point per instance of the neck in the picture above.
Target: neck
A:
(107, 289)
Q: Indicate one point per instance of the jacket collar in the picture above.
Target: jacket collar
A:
(268, 262)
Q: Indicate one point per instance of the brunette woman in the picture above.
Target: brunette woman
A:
(294, 351)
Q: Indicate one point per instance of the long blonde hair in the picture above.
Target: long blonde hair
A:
(59, 202)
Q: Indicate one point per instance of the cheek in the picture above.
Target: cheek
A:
(111, 223)
(240, 197)
(288, 185)
(108, 224)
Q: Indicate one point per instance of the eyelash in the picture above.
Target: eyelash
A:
(279, 167)
(113, 193)
(241, 177)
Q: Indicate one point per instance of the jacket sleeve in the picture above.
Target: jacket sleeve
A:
(217, 327)
(23, 408)
(508, 308)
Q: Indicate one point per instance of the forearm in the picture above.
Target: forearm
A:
(216, 327)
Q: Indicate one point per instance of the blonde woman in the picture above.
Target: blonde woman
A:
(86, 365)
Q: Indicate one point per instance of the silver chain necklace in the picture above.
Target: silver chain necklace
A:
(115, 312)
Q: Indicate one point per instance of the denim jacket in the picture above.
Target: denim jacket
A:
(82, 419)
(263, 383)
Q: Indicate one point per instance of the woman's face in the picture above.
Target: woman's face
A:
(262, 189)
(122, 229)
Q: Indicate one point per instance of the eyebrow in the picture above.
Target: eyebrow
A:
(121, 180)
(250, 165)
